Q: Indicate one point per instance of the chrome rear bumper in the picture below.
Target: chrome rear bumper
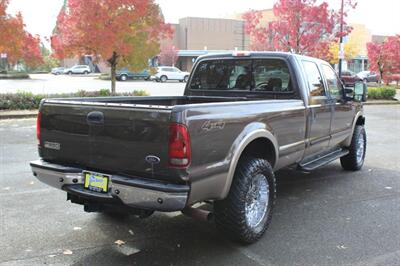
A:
(133, 192)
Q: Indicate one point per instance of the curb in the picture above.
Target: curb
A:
(381, 103)
(17, 114)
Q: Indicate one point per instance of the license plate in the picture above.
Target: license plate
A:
(96, 182)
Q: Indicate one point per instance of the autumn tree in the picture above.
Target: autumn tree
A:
(385, 58)
(300, 26)
(168, 55)
(15, 41)
(11, 34)
(350, 51)
(31, 53)
(126, 33)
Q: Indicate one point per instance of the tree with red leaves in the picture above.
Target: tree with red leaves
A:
(301, 26)
(17, 43)
(31, 54)
(385, 58)
(168, 55)
(12, 34)
(124, 32)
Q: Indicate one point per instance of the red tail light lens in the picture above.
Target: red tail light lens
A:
(179, 151)
(38, 126)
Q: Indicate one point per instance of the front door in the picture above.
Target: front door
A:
(319, 116)
(342, 112)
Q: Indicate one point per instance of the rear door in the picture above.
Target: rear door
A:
(319, 111)
(343, 111)
(104, 138)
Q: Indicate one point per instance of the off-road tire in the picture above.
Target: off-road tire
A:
(350, 161)
(230, 213)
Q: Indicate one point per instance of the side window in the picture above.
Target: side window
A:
(334, 85)
(314, 79)
(271, 75)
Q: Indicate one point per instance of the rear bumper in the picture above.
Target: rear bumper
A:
(133, 192)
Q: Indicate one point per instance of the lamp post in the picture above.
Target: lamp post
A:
(341, 50)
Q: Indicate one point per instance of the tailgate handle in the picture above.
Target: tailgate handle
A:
(95, 117)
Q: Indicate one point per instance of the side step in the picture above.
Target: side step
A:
(323, 160)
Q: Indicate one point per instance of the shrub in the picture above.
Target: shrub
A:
(383, 93)
(26, 100)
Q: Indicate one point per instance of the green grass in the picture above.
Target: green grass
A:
(27, 101)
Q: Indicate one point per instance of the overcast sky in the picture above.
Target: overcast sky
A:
(381, 17)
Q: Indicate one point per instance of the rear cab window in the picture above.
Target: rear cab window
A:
(258, 75)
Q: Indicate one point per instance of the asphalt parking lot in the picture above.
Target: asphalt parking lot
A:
(50, 84)
(327, 217)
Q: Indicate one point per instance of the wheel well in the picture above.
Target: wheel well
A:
(360, 121)
(261, 148)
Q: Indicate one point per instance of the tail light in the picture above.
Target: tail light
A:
(38, 126)
(179, 151)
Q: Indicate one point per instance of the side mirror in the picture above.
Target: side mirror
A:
(360, 91)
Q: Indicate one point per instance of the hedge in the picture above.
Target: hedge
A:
(14, 75)
(382, 93)
(27, 100)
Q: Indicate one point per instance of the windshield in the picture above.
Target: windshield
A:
(268, 75)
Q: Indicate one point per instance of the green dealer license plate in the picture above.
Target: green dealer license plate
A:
(96, 182)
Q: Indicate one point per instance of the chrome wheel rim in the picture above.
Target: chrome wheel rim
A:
(360, 148)
(257, 200)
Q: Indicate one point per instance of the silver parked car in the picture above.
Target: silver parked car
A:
(57, 70)
(78, 69)
(368, 76)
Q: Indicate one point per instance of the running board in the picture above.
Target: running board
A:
(323, 160)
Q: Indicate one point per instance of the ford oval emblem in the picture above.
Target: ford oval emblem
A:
(152, 159)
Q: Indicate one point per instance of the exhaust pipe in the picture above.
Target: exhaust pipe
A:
(198, 214)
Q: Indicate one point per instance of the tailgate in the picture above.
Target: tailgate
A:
(105, 138)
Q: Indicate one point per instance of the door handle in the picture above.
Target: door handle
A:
(95, 117)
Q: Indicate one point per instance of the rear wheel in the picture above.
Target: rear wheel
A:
(163, 78)
(246, 212)
(355, 159)
(86, 72)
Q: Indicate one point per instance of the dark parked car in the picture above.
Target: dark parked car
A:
(368, 76)
(349, 78)
(124, 74)
(242, 117)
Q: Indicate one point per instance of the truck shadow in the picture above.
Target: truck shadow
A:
(165, 240)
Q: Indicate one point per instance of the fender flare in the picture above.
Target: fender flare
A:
(347, 141)
(237, 150)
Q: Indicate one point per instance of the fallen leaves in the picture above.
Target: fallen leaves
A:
(67, 252)
(119, 243)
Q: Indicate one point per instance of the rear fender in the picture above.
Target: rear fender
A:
(250, 133)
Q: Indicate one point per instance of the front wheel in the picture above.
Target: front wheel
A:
(355, 159)
(186, 78)
(246, 212)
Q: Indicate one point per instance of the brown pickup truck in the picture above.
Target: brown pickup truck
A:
(242, 117)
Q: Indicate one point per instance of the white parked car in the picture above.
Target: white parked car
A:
(78, 69)
(170, 73)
